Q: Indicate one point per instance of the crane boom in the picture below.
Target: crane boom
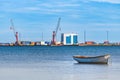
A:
(15, 33)
(55, 32)
(12, 27)
(58, 25)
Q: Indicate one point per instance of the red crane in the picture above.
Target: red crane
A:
(55, 33)
(15, 33)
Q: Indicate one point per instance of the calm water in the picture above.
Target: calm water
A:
(56, 63)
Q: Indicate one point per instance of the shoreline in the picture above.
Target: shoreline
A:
(57, 45)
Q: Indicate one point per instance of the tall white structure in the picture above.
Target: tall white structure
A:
(69, 39)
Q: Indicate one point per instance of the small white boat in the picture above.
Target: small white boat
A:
(103, 59)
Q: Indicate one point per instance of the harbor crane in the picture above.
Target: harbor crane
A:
(53, 42)
(15, 33)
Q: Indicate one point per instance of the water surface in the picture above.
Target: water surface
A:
(56, 63)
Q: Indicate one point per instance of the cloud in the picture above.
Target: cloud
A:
(59, 4)
(54, 7)
(43, 7)
(109, 1)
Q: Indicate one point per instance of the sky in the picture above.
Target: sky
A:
(36, 18)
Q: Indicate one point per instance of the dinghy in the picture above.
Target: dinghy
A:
(103, 59)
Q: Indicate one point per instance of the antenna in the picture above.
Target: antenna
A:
(107, 35)
(84, 36)
(42, 36)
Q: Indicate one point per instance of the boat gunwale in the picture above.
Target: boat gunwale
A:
(85, 57)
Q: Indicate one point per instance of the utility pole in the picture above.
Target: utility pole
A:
(84, 36)
(107, 35)
(42, 36)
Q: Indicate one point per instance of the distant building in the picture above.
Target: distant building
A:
(25, 43)
(90, 42)
(106, 42)
(4, 44)
(69, 39)
(40, 43)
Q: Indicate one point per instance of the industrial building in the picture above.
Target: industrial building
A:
(69, 39)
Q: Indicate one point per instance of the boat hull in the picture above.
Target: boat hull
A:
(92, 60)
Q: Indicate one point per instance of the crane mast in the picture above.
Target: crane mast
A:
(15, 33)
(55, 32)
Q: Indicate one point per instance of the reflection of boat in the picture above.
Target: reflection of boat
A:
(103, 59)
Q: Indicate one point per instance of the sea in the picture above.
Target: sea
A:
(57, 63)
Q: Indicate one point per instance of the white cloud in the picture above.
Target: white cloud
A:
(109, 1)
(59, 4)
(39, 7)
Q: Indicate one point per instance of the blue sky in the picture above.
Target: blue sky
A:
(33, 17)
